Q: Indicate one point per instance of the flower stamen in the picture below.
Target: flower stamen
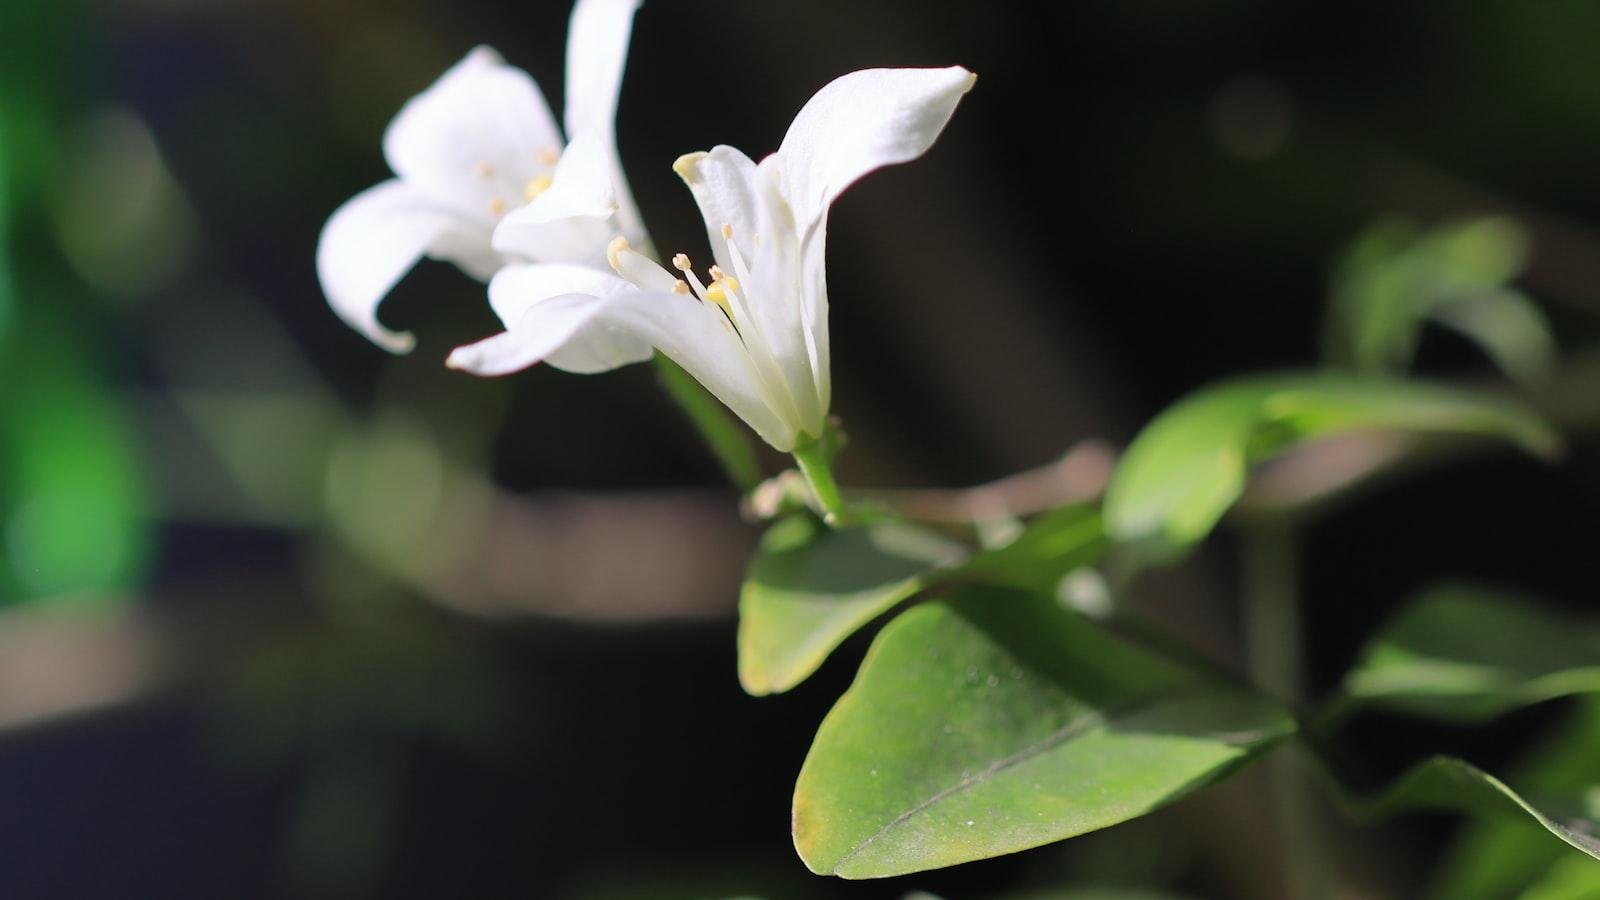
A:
(535, 187)
(497, 207)
(547, 157)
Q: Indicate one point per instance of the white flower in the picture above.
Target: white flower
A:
(484, 178)
(755, 331)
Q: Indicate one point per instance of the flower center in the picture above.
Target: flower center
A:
(502, 185)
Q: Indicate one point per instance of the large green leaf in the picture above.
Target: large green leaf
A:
(1448, 783)
(992, 721)
(810, 587)
(1470, 654)
(1188, 466)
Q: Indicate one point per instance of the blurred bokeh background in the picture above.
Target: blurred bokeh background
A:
(282, 615)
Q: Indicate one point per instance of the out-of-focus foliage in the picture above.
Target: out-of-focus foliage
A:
(991, 721)
(72, 490)
(73, 503)
(1395, 278)
(1447, 783)
(1496, 857)
(1469, 654)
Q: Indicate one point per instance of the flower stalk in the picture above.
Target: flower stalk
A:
(816, 464)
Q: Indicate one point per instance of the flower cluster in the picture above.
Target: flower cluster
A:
(485, 179)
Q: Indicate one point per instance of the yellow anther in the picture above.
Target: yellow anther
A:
(497, 207)
(484, 170)
(727, 231)
(681, 263)
(680, 286)
(731, 284)
(716, 294)
(716, 273)
(614, 252)
(536, 187)
(547, 157)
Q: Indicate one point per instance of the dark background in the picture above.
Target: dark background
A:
(269, 699)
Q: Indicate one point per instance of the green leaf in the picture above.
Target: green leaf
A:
(810, 587)
(1573, 878)
(992, 721)
(1448, 783)
(1509, 328)
(1394, 278)
(1189, 465)
(1470, 654)
(74, 504)
(1495, 858)
(1051, 545)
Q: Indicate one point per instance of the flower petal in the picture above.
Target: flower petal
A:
(597, 51)
(568, 221)
(731, 190)
(558, 321)
(517, 289)
(368, 244)
(723, 182)
(693, 334)
(472, 140)
(859, 122)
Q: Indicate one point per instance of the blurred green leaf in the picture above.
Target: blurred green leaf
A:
(810, 587)
(993, 721)
(1469, 654)
(1573, 878)
(1509, 328)
(1448, 783)
(1495, 858)
(73, 499)
(1394, 278)
(1188, 466)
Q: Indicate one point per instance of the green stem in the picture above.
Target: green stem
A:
(728, 441)
(812, 457)
(1270, 572)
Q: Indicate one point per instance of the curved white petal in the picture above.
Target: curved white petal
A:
(466, 244)
(473, 139)
(723, 182)
(862, 121)
(597, 52)
(692, 333)
(517, 289)
(559, 321)
(367, 244)
(568, 221)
